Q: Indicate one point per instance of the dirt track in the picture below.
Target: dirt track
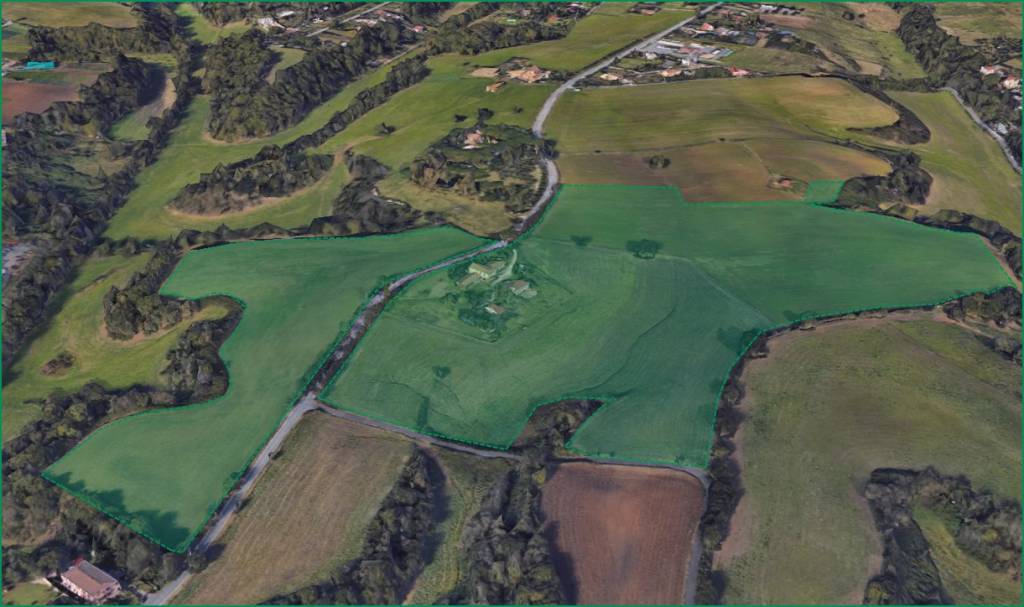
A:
(622, 534)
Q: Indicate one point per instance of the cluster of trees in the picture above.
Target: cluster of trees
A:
(62, 207)
(502, 167)
(34, 509)
(986, 529)
(394, 549)
(195, 371)
(298, 89)
(273, 172)
(156, 33)
(236, 67)
(908, 183)
(460, 35)
(948, 63)
(138, 308)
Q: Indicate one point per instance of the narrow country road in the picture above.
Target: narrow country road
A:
(225, 514)
(977, 120)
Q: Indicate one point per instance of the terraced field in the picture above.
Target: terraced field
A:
(298, 296)
(652, 337)
(727, 139)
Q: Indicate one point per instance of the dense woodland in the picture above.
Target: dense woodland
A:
(158, 32)
(236, 67)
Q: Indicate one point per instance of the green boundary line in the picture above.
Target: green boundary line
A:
(834, 188)
(307, 378)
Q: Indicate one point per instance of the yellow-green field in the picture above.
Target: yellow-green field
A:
(725, 137)
(601, 33)
(78, 329)
(205, 31)
(827, 407)
(310, 512)
(970, 172)
(71, 14)
(971, 21)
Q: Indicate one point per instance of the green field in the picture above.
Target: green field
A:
(287, 58)
(164, 472)
(869, 41)
(202, 29)
(29, 593)
(971, 21)
(60, 14)
(653, 338)
(606, 30)
(970, 172)
(726, 138)
(78, 329)
(825, 408)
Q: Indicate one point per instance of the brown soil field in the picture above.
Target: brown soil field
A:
(306, 516)
(21, 97)
(622, 534)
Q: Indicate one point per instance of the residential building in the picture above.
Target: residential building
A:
(89, 581)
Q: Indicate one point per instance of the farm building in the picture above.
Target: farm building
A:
(529, 74)
(522, 289)
(495, 309)
(486, 272)
(89, 582)
(494, 87)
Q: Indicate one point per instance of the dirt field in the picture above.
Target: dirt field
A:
(622, 534)
(307, 515)
(21, 97)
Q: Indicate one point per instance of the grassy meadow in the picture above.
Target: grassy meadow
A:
(971, 21)
(970, 172)
(59, 14)
(606, 324)
(205, 31)
(304, 511)
(787, 124)
(609, 28)
(29, 593)
(78, 329)
(827, 407)
(299, 295)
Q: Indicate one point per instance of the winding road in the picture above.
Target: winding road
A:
(225, 514)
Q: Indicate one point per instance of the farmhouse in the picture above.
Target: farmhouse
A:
(495, 309)
(89, 582)
(486, 272)
(494, 87)
(522, 289)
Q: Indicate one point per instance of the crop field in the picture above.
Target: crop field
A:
(299, 296)
(827, 407)
(78, 330)
(970, 172)
(643, 301)
(788, 126)
(622, 534)
(14, 40)
(309, 511)
(36, 91)
(606, 30)
(976, 20)
(58, 14)
(870, 41)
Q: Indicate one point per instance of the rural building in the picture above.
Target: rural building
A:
(522, 288)
(475, 139)
(495, 309)
(609, 77)
(988, 70)
(494, 87)
(738, 72)
(486, 272)
(529, 74)
(1011, 83)
(707, 27)
(89, 581)
(671, 72)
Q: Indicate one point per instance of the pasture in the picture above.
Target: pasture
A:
(607, 29)
(622, 535)
(205, 31)
(299, 295)
(827, 407)
(970, 172)
(133, 126)
(654, 338)
(304, 511)
(77, 14)
(972, 21)
(866, 44)
(726, 138)
(78, 329)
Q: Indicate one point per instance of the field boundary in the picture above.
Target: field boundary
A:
(305, 381)
(826, 195)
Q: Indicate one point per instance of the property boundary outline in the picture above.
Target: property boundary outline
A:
(827, 203)
(306, 379)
